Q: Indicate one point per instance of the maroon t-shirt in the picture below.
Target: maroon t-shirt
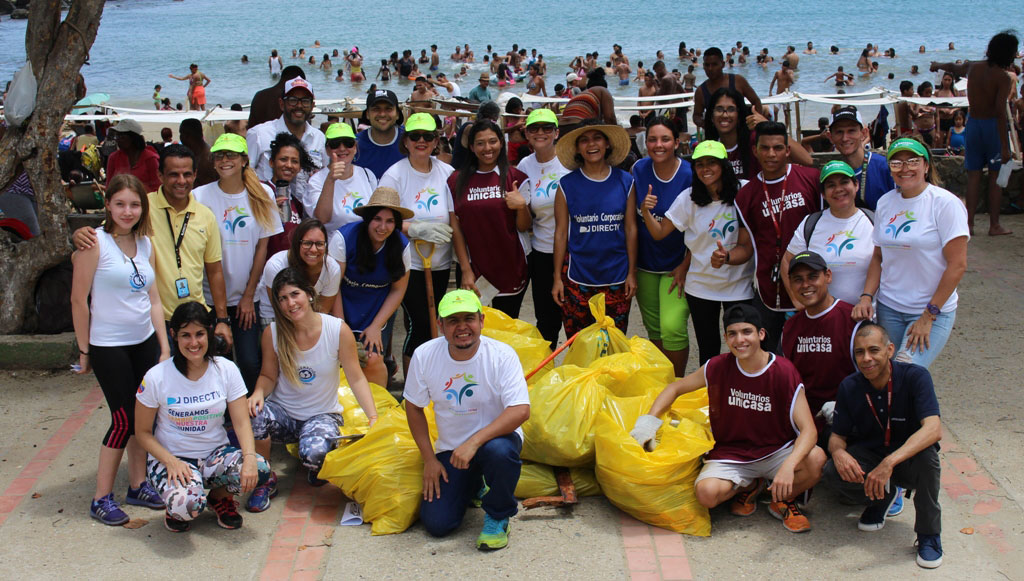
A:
(736, 160)
(489, 227)
(789, 209)
(821, 349)
(751, 415)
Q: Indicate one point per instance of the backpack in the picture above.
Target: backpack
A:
(812, 221)
(91, 159)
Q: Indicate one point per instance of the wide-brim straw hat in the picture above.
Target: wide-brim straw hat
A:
(617, 138)
(384, 198)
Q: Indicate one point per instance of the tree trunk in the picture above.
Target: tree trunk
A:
(57, 51)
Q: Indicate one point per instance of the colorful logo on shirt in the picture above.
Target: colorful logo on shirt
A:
(142, 388)
(725, 222)
(234, 217)
(547, 191)
(426, 198)
(457, 393)
(840, 241)
(306, 375)
(896, 230)
(352, 201)
(137, 281)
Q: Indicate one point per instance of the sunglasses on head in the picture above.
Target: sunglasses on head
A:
(421, 136)
(339, 141)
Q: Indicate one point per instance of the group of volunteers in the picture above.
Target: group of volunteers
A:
(238, 303)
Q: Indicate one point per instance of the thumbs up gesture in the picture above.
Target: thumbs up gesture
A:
(514, 199)
(337, 167)
(650, 200)
(720, 256)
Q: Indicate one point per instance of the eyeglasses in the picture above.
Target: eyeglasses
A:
(541, 128)
(912, 163)
(304, 101)
(427, 136)
(348, 142)
(307, 244)
(725, 110)
(232, 155)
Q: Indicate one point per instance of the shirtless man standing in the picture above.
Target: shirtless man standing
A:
(435, 58)
(988, 89)
(714, 62)
(648, 89)
(794, 59)
(904, 114)
(689, 80)
(457, 55)
(622, 71)
(783, 79)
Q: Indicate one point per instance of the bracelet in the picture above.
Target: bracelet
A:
(869, 295)
(86, 353)
(727, 257)
(249, 454)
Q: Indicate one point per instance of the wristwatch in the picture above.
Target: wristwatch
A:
(225, 320)
(933, 310)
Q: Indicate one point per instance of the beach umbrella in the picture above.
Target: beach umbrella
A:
(93, 100)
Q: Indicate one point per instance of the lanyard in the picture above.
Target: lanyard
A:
(181, 235)
(888, 411)
(864, 177)
(771, 212)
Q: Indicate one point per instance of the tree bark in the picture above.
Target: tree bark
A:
(57, 51)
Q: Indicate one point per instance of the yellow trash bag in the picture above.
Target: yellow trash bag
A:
(383, 472)
(598, 340)
(654, 487)
(694, 407)
(563, 406)
(641, 370)
(539, 480)
(353, 415)
(530, 346)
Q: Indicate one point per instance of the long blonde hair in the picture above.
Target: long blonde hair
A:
(286, 345)
(263, 207)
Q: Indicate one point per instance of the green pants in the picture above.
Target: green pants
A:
(664, 313)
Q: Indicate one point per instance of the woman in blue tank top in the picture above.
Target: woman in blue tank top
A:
(595, 226)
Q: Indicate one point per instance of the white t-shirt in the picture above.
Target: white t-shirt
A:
(239, 235)
(190, 414)
(348, 195)
(540, 194)
(846, 246)
(327, 285)
(319, 373)
(338, 250)
(705, 226)
(912, 234)
(467, 395)
(426, 194)
(120, 310)
(455, 91)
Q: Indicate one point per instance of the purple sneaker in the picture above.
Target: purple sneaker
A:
(145, 495)
(259, 500)
(107, 511)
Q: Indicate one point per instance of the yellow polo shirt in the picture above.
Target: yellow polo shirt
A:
(200, 245)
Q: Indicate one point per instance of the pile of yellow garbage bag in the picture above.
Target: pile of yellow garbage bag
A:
(580, 416)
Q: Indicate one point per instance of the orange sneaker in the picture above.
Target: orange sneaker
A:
(790, 515)
(745, 501)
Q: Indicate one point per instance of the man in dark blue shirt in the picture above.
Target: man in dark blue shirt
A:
(378, 145)
(885, 434)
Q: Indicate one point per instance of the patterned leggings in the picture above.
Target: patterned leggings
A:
(316, 436)
(576, 310)
(222, 467)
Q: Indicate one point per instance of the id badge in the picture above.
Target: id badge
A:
(775, 273)
(181, 285)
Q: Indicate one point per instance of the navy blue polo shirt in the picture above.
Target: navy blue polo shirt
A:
(913, 399)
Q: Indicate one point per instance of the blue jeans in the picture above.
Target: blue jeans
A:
(898, 324)
(248, 355)
(498, 462)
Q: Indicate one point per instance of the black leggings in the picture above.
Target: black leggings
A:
(119, 371)
(707, 317)
(417, 315)
(549, 314)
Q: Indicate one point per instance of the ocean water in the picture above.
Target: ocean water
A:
(141, 41)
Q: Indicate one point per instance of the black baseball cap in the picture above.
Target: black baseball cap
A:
(808, 258)
(848, 113)
(741, 313)
(378, 96)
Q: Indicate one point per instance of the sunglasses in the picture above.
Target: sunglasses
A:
(348, 142)
(219, 155)
(541, 128)
(427, 136)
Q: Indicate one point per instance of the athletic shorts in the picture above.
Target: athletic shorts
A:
(743, 474)
(983, 144)
(623, 82)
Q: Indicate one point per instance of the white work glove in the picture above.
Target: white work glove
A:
(435, 232)
(828, 411)
(644, 431)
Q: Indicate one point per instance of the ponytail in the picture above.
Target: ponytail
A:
(263, 206)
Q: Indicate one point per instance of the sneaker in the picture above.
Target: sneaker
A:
(745, 501)
(789, 513)
(107, 511)
(259, 500)
(897, 504)
(227, 512)
(144, 495)
(311, 478)
(478, 500)
(929, 551)
(175, 525)
(873, 517)
(494, 534)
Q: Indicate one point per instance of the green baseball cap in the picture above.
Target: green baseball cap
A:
(835, 167)
(230, 142)
(420, 122)
(337, 130)
(907, 144)
(710, 148)
(542, 116)
(459, 301)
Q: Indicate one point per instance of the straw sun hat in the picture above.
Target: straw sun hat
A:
(617, 138)
(383, 198)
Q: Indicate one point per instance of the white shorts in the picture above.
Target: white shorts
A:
(743, 474)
